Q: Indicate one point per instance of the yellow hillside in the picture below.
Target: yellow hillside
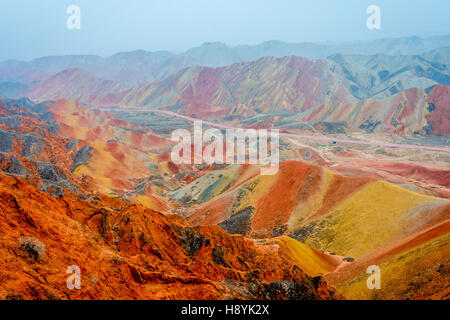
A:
(255, 189)
(418, 272)
(314, 202)
(371, 217)
(311, 261)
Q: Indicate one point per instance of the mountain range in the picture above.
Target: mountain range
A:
(87, 177)
(399, 94)
(133, 68)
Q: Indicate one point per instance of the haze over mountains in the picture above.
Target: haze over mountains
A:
(302, 89)
(134, 67)
(85, 163)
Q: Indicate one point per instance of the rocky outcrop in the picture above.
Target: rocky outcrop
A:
(129, 252)
(81, 157)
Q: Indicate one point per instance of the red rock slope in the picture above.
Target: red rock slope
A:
(125, 251)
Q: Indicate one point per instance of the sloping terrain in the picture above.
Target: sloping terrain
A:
(301, 195)
(342, 224)
(61, 144)
(125, 251)
(135, 67)
(30, 148)
(290, 83)
(402, 95)
(416, 267)
(382, 75)
(286, 93)
(267, 84)
(87, 179)
(75, 84)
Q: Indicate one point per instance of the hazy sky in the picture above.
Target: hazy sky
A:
(31, 28)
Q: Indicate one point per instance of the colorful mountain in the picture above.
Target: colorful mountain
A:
(132, 68)
(408, 95)
(363, 179)
(362, 219)
(125, 251)
(75, 84)
(117, 241)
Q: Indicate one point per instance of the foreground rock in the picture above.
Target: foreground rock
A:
(125, 251)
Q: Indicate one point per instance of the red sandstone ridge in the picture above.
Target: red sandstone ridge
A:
(439, 116)
(125, 251)
(75, 84)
